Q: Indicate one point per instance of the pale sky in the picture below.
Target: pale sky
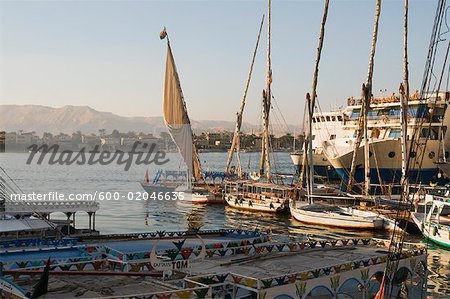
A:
(108, 55)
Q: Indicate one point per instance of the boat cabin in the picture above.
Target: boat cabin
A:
(257, 190)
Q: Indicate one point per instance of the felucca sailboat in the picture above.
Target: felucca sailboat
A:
(179, 126)
(258, 193)
(318, 214)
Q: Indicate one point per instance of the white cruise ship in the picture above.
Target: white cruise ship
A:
(327, 126)
(384, 133)
(334, 134)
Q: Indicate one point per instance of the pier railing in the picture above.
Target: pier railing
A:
(14, 207)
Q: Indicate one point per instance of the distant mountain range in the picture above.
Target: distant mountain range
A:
(69, 119)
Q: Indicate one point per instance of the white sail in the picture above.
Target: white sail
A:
(177, 120)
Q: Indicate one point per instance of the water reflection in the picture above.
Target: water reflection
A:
(124, 216)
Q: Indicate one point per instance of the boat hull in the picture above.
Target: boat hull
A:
(361, 220)
(153, 188)
(198, 198)
(386, 163)
(322, 166)
(256, 205)
(437, 234)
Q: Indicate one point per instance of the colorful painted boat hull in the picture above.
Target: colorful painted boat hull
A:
(253, 205)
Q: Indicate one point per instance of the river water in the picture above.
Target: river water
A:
(124, 215)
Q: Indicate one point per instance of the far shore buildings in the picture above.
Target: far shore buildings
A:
(208, 141)
(2, 141)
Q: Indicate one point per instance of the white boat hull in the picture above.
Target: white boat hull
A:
(386, 161)
(346, 218)
(198, 198)
(439, 234)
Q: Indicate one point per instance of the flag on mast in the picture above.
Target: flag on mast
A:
(147, 180)
(163, 34)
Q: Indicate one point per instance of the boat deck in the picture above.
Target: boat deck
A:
(269, 267)
(134, 244)
(21, 255)
(99, 286)
(278, 264)
(163, 244)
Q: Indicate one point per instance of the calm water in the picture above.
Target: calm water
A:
(136, 216)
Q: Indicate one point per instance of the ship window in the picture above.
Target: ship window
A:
(328, 118)
(372, 113)
(412, 154)
(333, 118)
(432, 134)
(339, 117)
(333, 136)
(395, 133)
(417, 112)
(322, 119)
(383, 112)
(313, 137)
(394, 112)
(355, 114)
(391, 154)
(438, 114)
(314, 120)
(431, 155)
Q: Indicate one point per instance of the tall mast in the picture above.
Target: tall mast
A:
(309, 154)
(404, 132)
(267, 96)
(367, 95)
(404, 97)
(310, 105)
(235, 145)
(405, 52)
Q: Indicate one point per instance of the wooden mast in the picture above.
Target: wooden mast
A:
(310, 105)
(405, 52)
(267, 96)
(308, 144)
(235, 145)
(396, 244)
(404, 98)
(367, 96)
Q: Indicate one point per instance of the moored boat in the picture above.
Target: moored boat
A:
(262, 193)
(229, 263)
(384, 127)
(326, 127)
(205, 194)
(179, 126)
(164, 181)
(335, 216)
(262, 197)
(433, 222)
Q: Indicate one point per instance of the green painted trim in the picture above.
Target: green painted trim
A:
(442, 244)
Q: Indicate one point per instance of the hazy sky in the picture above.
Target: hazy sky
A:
(108, 55)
